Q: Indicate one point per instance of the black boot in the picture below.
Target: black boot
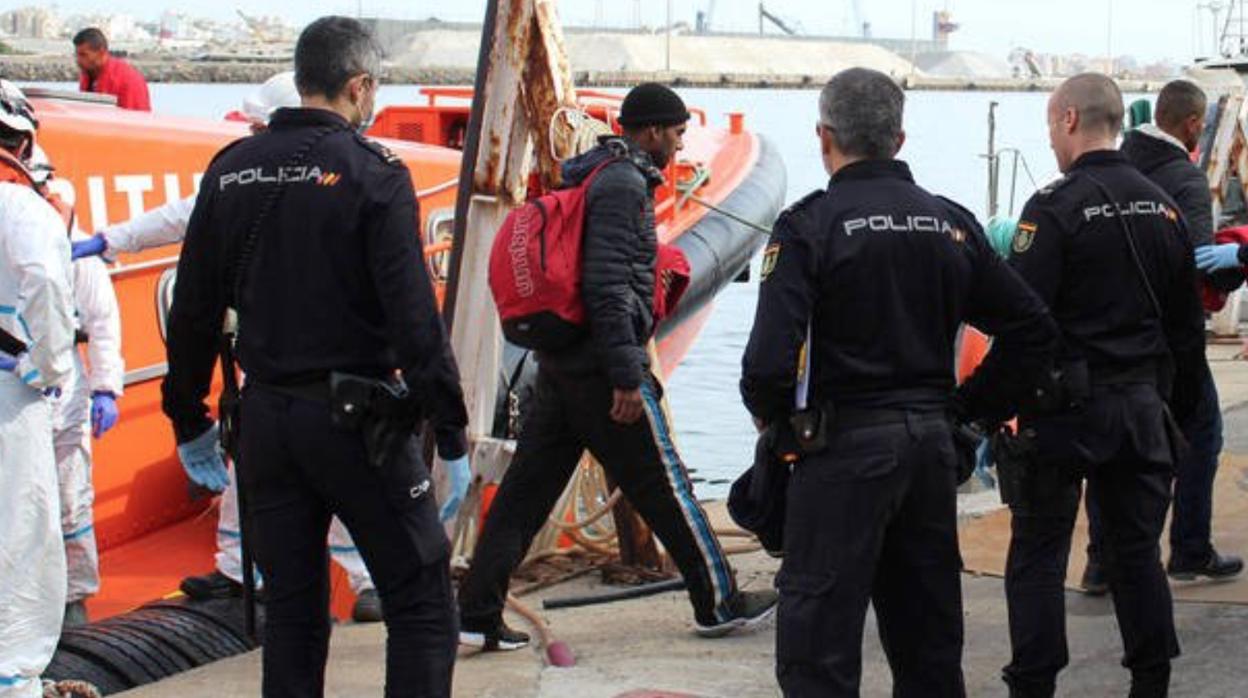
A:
(1153, 682)
(213, 585)
(367, 607)
(1094, 582)
(1213, 566)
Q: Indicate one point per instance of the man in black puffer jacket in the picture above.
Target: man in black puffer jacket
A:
(1162, 153)
(599, 395)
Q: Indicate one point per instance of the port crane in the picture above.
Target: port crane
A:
(706, 18)
(763, 14)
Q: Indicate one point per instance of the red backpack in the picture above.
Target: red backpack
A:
(535, 270)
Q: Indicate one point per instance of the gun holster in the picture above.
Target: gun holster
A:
(1062, 389)
(810, 430)
(383, 410)
(966, 440)
(1031, 470)
(1016, 457)
(230, 402)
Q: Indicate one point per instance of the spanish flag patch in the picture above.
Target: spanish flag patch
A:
(1024, 237)
(771, 255)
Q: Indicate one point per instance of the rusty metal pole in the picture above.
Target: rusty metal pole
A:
(472, 146)
(637, 546)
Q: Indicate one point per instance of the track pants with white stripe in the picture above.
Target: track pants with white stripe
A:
(570, 414)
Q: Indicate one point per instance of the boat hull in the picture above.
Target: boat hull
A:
(114, 164)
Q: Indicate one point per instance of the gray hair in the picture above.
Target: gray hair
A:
(331, 51)
(863, 108)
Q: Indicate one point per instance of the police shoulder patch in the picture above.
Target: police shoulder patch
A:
(1023, 237)
(771, 256)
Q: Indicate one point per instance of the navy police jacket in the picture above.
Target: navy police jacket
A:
(885, 274)
(337, 281)
(1072, 248)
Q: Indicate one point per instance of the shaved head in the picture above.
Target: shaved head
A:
(1085, 114)
(1096, 99)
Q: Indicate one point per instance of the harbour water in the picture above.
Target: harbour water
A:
(946, 136)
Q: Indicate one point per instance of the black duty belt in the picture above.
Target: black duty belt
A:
(316, 391)
(1103, 376)
(861, 417)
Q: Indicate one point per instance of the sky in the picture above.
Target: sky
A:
(1146, 29)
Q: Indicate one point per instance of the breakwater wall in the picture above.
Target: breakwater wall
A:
(62, 69)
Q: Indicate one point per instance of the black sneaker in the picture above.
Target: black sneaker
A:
(367, 607)
(746, 610)
(1214, 566)
(492, 637)
(213, 585)
(1093, 582)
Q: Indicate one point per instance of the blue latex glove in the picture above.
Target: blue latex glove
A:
(103, 412)
(460, 474)
(9, 363)
(202, 461)
(96, 245)
(1217, 257)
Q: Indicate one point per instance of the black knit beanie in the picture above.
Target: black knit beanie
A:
(652, 104)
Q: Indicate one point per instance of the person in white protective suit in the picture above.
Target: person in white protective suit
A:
(166, 225)
(36, 317)
(86, 408)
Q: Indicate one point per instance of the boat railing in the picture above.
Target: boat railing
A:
(68, 95)
(994, 157)
(994, 178)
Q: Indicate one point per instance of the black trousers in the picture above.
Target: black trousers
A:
(1131, 489)
(873, 519)
(1191, 516)
(569, 414)
(298, 469)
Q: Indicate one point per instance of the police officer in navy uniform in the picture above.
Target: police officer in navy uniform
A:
(1107, 250)
(882, 275)
(334, 285)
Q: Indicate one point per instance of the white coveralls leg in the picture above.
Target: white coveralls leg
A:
(35, 307)
(230, 554)
(99, 318)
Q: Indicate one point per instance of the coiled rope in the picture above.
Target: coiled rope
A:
(577, 130)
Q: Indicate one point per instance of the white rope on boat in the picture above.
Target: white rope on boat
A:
(576, 128)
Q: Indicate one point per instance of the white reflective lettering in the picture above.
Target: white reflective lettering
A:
(133, 186)
(98, 202)
(173, 191)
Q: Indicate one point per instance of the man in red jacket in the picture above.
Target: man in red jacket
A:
(107, 74)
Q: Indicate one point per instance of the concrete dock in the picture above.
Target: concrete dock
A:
(647, 648)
